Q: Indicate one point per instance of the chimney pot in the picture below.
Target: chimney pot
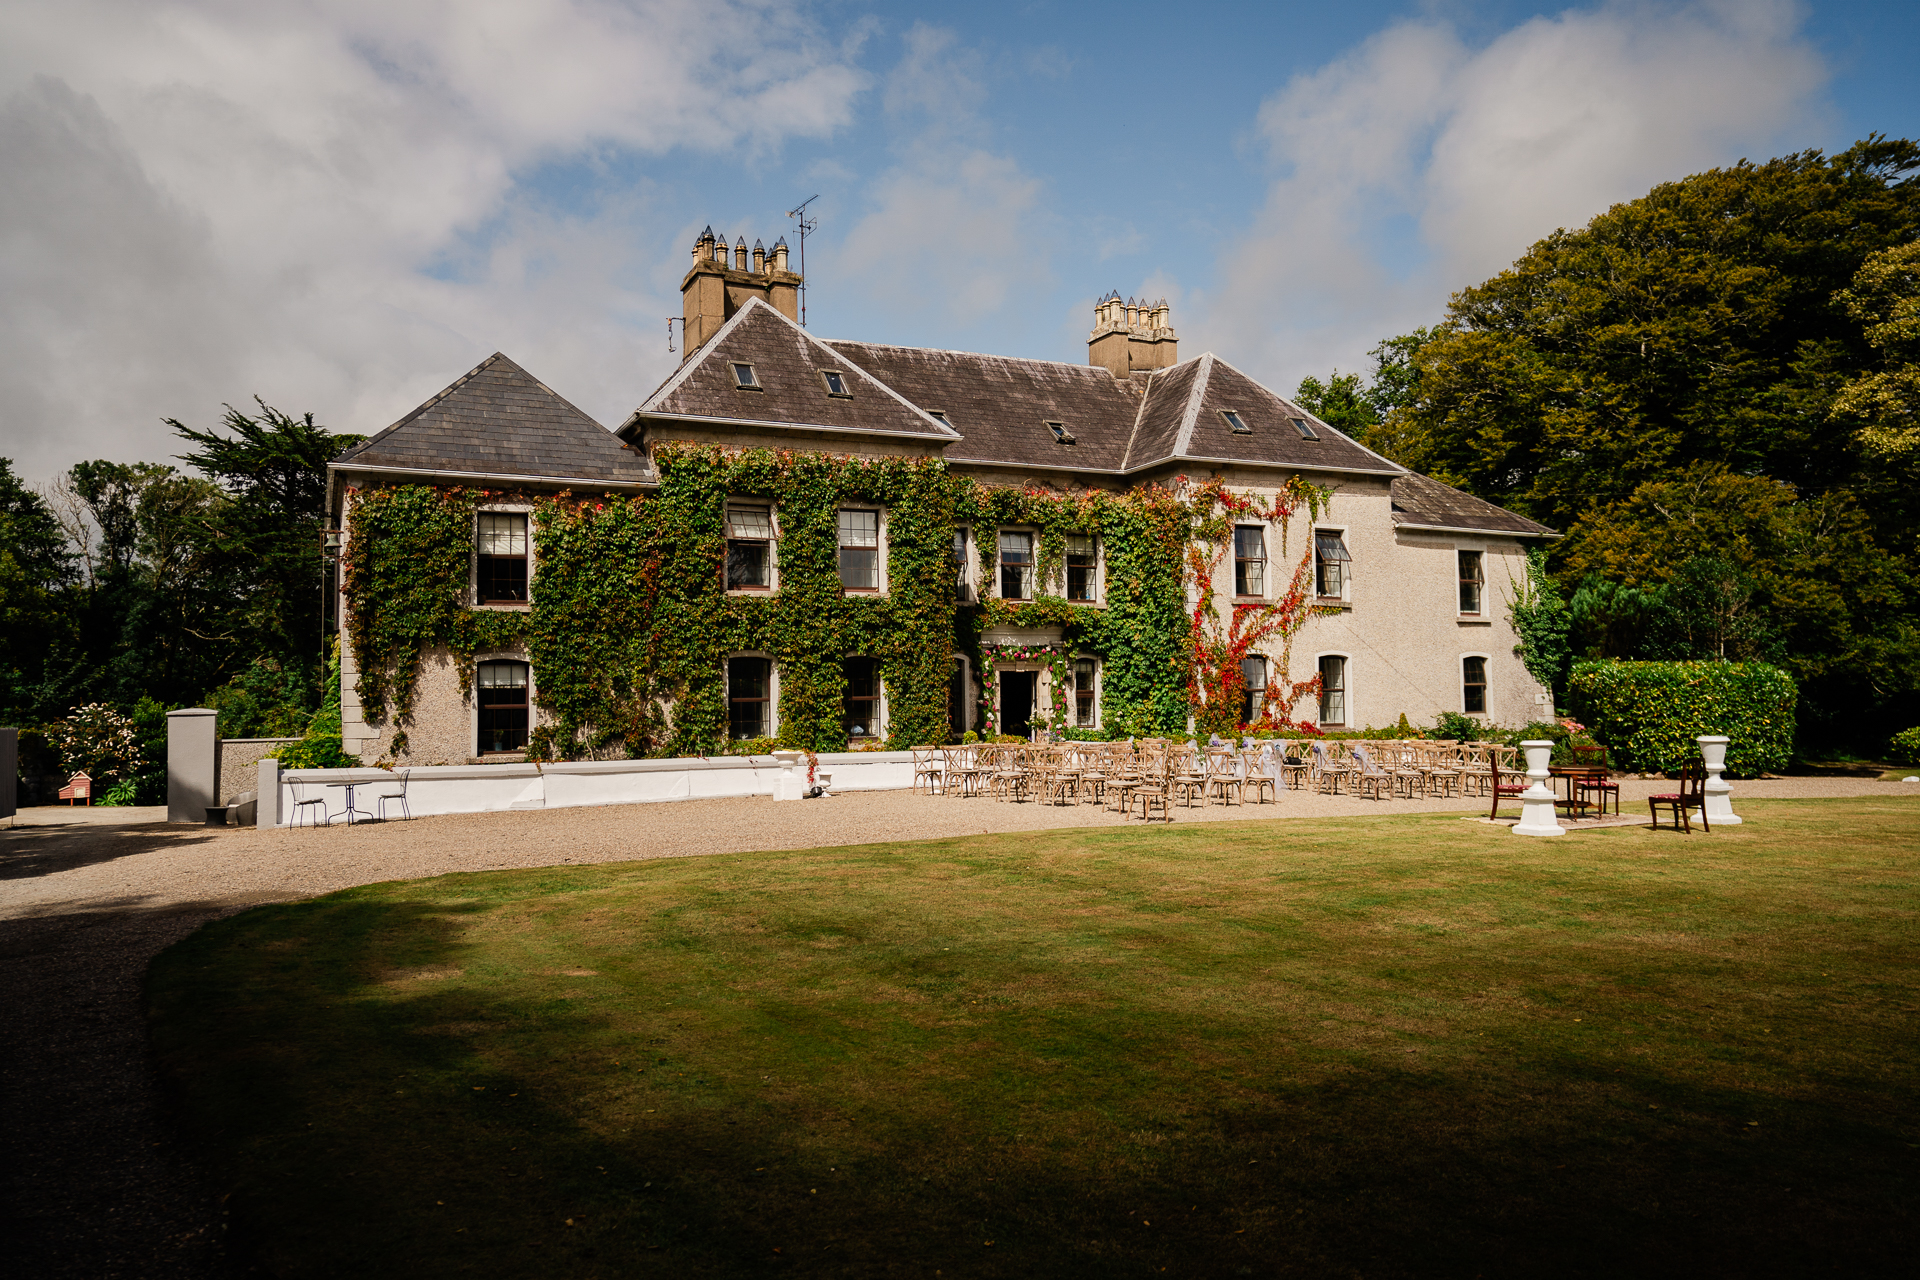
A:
(740, 254)
(759, 258)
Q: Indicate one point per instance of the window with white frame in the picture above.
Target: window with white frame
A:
(749, 546)
(1016, 564)
(1333, 689)
(1249, 560)
(860, 705)
(504, 707)
(860, 550)
(749, 697)
(1472, 581)
(1253, 669)
(1083, 567)
(1473, 685)
(501, 544)
(1330, 564)
(1086, 712)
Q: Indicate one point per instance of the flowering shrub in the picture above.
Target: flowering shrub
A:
(1905, 746)
(98, 741)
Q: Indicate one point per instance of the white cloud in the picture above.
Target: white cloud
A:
(208, 200)
(950, 235)
(1415, 165)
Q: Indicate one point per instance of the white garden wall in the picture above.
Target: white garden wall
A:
(489, 787)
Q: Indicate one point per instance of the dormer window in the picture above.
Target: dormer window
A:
(1060, 432)
(1236, 423)
(836, 383)
(743, 378)
(1305, 429)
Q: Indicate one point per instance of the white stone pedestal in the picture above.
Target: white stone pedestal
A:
(791, 782)
(1537, 817)
(1718, 791)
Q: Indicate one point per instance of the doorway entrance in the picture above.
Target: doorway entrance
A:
(1016, 701)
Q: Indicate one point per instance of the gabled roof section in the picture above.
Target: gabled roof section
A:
(1001, 405)
(1421, 502)
(1166, 407)
(500, 421)
(787, 363)
(1185, 417)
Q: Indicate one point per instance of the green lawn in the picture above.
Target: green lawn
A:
(1374, 1046)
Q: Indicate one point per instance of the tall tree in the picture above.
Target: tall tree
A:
(1697, 323)
(266, 537)
(1699, 387)
(1885, 297)
(35, 566)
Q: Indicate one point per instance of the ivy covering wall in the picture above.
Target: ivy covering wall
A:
(630, 624)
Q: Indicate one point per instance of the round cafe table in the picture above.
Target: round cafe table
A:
(348, 787)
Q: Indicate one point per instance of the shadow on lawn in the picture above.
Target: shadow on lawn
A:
(439, 1133)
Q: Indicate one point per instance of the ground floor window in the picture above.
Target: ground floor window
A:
(1085, 714)
(749, 698)
(503, 707)
(1333, 690)
(860, 708)
(1253, 669)
(1473, 685)
(959, 701)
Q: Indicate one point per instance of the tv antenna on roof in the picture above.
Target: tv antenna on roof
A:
(802, 226)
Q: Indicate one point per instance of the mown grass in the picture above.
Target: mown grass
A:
(1375, 1046)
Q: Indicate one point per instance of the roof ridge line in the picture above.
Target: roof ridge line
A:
(421, 408)
(955, 351)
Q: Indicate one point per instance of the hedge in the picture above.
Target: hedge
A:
(1649, 713)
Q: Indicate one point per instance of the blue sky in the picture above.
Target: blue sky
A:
(344, 206)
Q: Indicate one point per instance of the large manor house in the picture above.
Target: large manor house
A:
(1414, 578)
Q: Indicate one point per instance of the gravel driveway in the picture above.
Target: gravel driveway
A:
(96, 1184)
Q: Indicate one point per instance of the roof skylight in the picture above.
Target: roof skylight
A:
(836, 383)
(743, 376)
(1305, 429)
(1060, 432)
(1236, 422)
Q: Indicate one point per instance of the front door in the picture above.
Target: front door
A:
(1016, 701)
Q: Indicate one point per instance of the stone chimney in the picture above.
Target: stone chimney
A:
(1132, 336)
(723, 278)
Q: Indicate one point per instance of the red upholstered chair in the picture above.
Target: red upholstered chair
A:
(1501, 788)
(1691, 795)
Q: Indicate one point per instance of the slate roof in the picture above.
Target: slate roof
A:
(1001, 405)
(1204, 432)
(1421, 500)
(499, 420)
(998, 407)
(787, 363)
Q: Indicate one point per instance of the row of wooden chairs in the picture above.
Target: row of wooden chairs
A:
(1148, 776)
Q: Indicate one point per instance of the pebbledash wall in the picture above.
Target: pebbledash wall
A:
(1136, 421)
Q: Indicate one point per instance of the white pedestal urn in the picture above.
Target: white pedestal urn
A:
(1537, 817)
(1719, 792)
(789, 784)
